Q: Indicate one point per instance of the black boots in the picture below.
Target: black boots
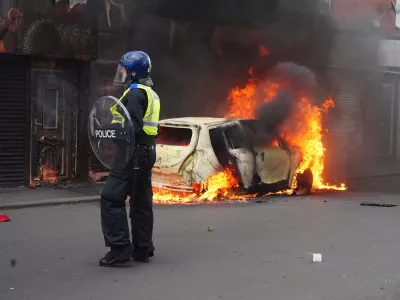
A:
(117, 257)
(143, 254)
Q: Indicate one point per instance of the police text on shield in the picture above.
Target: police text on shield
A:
(105, 134)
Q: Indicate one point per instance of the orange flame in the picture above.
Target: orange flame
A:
(242, 102)
(49, 175)
(217, 187)
(303, 130)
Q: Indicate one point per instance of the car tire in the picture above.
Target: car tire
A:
(304, 183)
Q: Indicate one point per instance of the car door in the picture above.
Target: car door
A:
(174, 145)
(273, 161)
(240, 149)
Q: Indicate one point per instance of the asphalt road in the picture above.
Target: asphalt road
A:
(254, 251)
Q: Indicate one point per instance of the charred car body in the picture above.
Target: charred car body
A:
(190, 150)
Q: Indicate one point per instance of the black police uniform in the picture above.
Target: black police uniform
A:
(135, 182)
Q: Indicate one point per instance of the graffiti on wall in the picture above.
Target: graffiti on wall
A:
(9, 27)
(59, 30)
(44, 35)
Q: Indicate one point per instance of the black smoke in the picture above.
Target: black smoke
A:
(271, 116)
(188, 68)
(295, 81)
(274, 113)
(297, 77)
(193, 76)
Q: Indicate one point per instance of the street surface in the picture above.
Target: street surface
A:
(255, 251)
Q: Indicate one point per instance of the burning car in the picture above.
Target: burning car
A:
(192, 150)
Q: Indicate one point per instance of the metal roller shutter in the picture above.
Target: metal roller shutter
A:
(14, 121)
(347, 126)
(343, 141)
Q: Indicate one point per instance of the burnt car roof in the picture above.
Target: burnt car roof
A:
(249, 124)
(198, 121)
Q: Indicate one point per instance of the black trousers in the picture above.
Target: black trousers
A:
(114, 221)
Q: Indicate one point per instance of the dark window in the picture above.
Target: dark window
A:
(174, 136)
(386, 120)
(235, 138)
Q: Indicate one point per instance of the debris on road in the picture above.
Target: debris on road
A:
(4, 218)
(377, 204)
(388, 281)
(13, 262)
(317, 257)
(210, 228)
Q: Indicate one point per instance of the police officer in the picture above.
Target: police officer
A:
(143, 105)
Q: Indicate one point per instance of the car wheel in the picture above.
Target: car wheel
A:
(304, 183)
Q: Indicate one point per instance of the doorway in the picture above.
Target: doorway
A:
(55, 98)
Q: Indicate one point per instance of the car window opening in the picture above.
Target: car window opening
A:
(174, 136)
(219, 146)
(235, 137)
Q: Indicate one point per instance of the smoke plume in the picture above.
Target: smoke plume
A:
(294, 82)
(272, 114)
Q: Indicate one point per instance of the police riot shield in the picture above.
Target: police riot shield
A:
(111, 133)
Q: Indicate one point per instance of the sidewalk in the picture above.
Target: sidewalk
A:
(378, 184)
(45, 196)
(24, 197)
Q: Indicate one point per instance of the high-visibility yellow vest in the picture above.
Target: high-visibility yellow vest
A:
(152, 115)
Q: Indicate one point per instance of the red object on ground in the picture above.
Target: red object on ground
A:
(4, 218)
(32, 187)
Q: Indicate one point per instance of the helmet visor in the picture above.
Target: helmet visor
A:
(121, 76)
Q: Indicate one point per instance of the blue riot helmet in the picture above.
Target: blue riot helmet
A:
(133, 66)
